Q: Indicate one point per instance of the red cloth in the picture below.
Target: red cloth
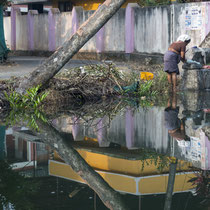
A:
(206, 67)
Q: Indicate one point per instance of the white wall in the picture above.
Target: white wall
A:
(115, 32)
(21, 32)
(41, 32)
(151, 32)
(154, 29)
(7, 31)
(63, 27)
(90, 46)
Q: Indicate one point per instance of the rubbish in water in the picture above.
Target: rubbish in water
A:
(146, 76)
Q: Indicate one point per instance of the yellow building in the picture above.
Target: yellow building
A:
(65, 5)
(126, 175)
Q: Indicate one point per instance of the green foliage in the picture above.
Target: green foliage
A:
(25, 116)
(26, 108)
(159, 160)
(31, 100)
(145, 89)
(16, 189)
(147, 3)
(4, 2)
(160, 82)
(122, 83)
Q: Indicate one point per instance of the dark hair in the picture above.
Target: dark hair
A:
(188, 41)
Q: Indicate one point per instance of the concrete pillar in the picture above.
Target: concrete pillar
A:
(129, 129)
(207, 28)
(52, 28)
(100, 40)
(18, 148)
(30, 20)
(75, 22)
(102, 133)
(14, 12)
(77, 129)
(205, 151)
(129, 29)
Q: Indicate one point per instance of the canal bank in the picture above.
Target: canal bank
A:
(21, 63)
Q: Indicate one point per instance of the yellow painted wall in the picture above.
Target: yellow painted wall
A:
(159, 184)
(122, 166)
(129, 184)
(89, 4)
(114, 180)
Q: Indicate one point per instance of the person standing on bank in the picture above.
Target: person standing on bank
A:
(172, 57)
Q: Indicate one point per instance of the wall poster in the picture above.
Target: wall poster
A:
(193, 18)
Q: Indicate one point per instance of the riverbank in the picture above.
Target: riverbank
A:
(18, 64)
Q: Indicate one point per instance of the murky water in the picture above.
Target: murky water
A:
(153, 157)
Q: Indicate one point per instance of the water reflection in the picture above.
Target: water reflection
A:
(175, 126)
(141, 163)
(16, 191)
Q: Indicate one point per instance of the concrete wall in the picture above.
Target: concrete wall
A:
(21, 33)
(179, 25)
(82, 16)
(131, 128)
(132, 29)
(63, 26)
(114, 32)
(152, 29)
(41, 32)
(7, 30)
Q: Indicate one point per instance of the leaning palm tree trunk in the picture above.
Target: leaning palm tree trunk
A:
(88, 29)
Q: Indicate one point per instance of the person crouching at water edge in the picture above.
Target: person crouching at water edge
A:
(172, 57)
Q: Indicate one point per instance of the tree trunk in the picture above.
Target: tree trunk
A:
(110, 197)
(88, 29)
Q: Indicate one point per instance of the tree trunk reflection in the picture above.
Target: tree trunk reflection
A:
(111, 198)
(170, 187)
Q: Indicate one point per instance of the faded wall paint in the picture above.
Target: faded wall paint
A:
(178, 24)
(63, 27)
(152, 29)
(41, 32)
(82, 16)
(21, 32)
(7, 30)
(115, 32)
(133, 29)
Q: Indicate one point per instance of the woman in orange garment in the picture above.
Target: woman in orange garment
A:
(172, 57)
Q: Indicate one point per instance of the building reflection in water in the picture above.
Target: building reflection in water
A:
(113, 150)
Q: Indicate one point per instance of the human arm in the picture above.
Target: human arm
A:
(182, 54)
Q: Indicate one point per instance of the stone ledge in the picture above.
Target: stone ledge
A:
(188, 66)
(141, 58)
(195, 79)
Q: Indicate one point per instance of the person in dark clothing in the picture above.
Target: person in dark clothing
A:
(175, 126)
(172, 57)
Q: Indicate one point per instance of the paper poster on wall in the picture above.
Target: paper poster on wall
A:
(193, 18)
